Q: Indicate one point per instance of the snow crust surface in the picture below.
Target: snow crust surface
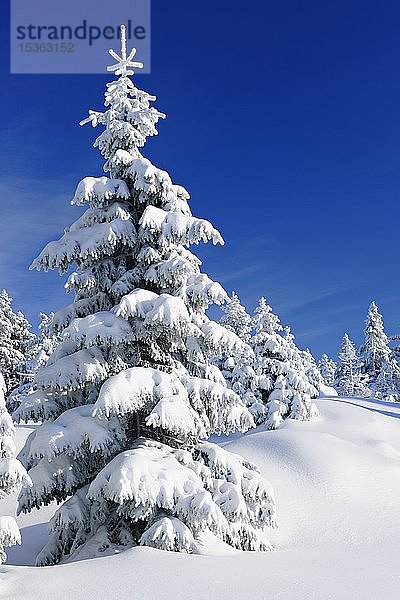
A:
(337, 484)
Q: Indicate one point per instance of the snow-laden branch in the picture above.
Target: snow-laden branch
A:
(98, 191)
(99, 328)
(167, 227)
(76, 245)
(74, 371)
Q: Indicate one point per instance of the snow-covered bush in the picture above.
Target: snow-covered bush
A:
(12, 474)
(130, 391)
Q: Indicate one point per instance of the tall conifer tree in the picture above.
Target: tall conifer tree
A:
(130, 394)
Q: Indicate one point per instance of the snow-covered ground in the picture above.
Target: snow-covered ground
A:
(337, 484)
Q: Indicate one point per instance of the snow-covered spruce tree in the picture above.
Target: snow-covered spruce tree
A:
(12, 474)
(236, 318)
(39, 349)
(349, 380)
(131, 388)
(43, 345)
(387, 384)
(395, 347)
(311, 368)
(15, 338)
(375, 350)
(238, 369)
(327, 368)
(283, 386)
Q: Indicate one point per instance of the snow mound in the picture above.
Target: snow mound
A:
(326, 391)
(338, 484)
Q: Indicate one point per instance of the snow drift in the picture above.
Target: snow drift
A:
(338, 480)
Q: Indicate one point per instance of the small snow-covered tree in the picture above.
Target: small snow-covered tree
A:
(395, 347)
(236, 318)
(386, 385)
(15, 338)
(283, 388)
(12, 474)
(130, 394)
(394, 361)
(39, 350)
(327, 368)
(43, 345)
(349, 380)
(236, 369)
(311, 368)
(375, 350)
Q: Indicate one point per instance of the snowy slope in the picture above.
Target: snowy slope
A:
(337, 483)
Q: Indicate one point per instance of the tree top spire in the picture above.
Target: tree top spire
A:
(124, 61)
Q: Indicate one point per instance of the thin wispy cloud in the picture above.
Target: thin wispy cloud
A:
(32, 213)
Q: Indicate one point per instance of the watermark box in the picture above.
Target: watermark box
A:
(74, 36)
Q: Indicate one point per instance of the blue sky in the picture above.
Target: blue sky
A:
(284, 125)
